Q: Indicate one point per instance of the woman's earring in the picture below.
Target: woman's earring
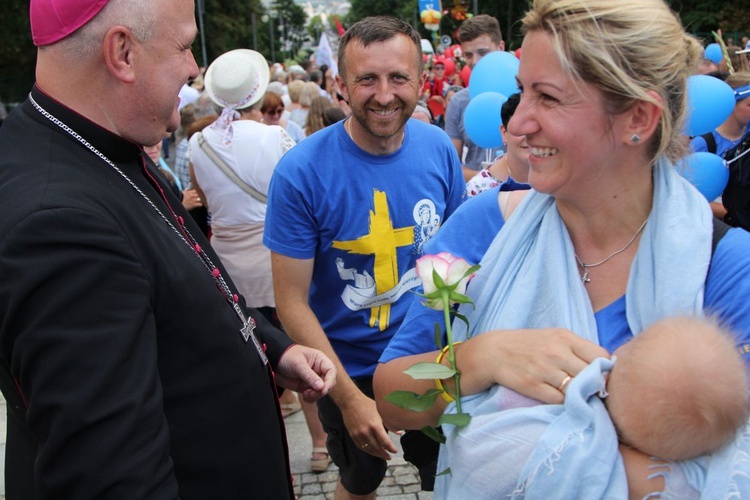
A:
(635, 138)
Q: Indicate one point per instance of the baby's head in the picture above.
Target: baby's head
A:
(678, 390)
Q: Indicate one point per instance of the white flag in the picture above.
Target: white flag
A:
(325, 55)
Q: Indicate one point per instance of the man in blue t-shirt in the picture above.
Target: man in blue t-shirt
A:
(349, 211)
(479, 36)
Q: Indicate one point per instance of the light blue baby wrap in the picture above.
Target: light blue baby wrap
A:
(529, 279)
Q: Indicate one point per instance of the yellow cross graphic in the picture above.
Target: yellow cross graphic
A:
(382, 241)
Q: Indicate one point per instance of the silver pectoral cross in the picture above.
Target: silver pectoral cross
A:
(247, 333)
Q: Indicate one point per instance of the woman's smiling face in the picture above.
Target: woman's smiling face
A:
(568, 131)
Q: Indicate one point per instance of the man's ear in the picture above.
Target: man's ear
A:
(645, 117)
(118, 48)
(342, 87)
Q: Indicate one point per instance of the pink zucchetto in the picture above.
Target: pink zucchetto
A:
(53, 20)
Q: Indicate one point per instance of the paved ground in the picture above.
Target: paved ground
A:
(401, 481)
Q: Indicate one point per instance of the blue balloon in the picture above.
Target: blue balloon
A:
(482, 119)
(495, 72)
(707, 172)
(710, 102)
(713, 53)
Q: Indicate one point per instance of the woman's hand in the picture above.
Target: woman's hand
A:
(535, 363)
(191, 199)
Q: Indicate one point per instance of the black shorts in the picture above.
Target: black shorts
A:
(360, 472)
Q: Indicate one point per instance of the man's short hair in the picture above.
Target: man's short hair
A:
(316, 76)
(474, 27)
(140, 18)
(378, 29)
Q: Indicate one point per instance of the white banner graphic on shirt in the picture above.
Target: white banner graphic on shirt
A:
(357, 299)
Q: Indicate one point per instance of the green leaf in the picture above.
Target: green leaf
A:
(471, 270)
(438, 336)
(457, 419)
(431, 296)
(428, 371)
(460, 298)
(433, 434)
(439, 283)
(443, 473)
(413, 401)
(462, 318)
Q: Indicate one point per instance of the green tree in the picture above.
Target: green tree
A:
(316, 27)
(17, 51)
(403, 9)
(227, 25)
(291, 20)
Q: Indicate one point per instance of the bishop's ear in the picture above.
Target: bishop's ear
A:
(119, 48)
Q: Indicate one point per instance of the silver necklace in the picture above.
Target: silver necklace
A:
(248, 323)
(585, 267)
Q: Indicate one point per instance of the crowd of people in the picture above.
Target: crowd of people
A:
(160, 319)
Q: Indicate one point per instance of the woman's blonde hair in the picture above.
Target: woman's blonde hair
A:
(310, 90)
(626, 49)
(739, 79)
(314, 120)
(293, 89)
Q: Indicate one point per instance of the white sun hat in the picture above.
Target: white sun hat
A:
(236, 80)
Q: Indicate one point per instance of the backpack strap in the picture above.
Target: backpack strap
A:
(710, 142)
(206, 147)
(720, 229)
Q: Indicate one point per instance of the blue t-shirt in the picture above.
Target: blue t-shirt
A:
(364, 219)
(454, 127)
(726, 293)
(698, 144)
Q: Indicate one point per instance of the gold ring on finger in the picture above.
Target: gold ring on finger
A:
(564, 383)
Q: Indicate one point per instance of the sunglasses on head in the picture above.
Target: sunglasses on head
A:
(275, 112)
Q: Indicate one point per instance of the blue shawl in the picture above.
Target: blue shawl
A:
(529, 279)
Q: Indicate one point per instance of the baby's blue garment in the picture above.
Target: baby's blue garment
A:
(547, 451)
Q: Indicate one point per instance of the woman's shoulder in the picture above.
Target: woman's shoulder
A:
(728, 286)
(469, 231)
(728, 281)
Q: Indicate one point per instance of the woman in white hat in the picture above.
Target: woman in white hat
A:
(231, 165)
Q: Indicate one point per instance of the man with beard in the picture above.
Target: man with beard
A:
(349, 211)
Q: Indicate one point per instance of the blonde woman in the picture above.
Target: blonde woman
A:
(609, 240)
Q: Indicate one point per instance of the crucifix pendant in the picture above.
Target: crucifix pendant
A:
(247, 328)
(247, 333)
(585, 278)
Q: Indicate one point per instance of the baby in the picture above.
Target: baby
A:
(678, 390)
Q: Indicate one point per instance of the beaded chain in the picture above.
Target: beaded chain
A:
(183, 233)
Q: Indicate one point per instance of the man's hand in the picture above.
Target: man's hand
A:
(366, 428)
(306, 371)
